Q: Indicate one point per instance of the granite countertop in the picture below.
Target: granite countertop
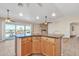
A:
(50, 35)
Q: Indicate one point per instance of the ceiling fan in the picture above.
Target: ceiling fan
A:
(8, 19)
(46, 22)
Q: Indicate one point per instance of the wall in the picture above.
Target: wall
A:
(0, 29)
(62, 26)
(36, 29)
(75, 27)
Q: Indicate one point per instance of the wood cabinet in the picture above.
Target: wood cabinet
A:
(45, 45)
(36, 45)
(50, 46)
(58, 47)
(26, 46)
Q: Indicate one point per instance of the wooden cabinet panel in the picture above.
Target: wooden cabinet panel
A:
(44, 45)
(51, 49)
(36, 45)
(58, 47)
(26, 46)
(50, 46)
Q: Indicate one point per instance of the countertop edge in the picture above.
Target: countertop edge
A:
(49, 36)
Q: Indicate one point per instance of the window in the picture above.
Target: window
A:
(28, 30)
(19, 29)
(11, 30)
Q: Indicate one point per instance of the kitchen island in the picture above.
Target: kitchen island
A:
(48, 45)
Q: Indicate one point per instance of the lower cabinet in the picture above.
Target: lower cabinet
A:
(36, 48)
(50, 46)
(24, 46)
(45, 45)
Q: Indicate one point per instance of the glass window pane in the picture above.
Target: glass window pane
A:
(19, 29)
(28, 30)
(9, 31)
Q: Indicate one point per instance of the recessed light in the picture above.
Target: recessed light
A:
(20, 14)
(53, 14)
(37, 17)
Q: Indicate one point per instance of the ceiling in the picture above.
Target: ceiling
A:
(30, 13)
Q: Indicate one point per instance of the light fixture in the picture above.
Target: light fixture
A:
(30, 4)
(53, 14)
(20, 14)
(45, 23)
(7, 18)
(37, 17)
(45, 20)
(20, 4)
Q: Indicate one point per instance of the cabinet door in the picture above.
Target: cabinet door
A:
(23, 48)
(36, 45)
(58, 47)
(48, 46)
(44, 45)
(51, 47)
(26, 47)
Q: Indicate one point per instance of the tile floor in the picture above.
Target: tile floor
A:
(7, 48)
(70, 47)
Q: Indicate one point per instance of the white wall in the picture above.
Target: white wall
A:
(62, 26)
(36, 29)
(75, 30)
(0, 29)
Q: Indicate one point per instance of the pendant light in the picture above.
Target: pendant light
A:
(45, 20)
(7, 18)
